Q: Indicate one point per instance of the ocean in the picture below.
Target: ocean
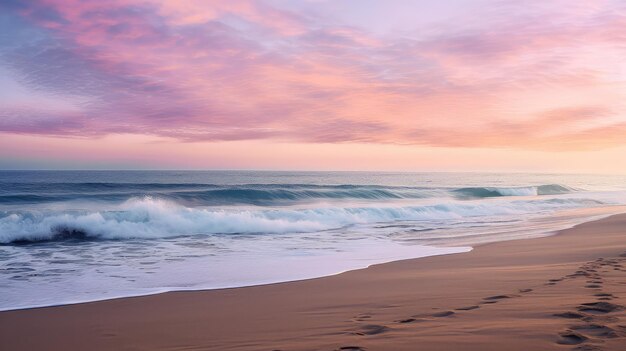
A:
(77, 236)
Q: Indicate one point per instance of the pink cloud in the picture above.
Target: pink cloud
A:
(530, 77)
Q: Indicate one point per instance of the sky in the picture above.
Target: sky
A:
(395, 85)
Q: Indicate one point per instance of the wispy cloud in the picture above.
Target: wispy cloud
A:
(518, 75)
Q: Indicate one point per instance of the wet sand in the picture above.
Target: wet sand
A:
(563, 292)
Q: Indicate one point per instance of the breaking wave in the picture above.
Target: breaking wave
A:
(148, 217)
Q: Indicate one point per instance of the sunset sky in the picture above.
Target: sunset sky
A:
(412, 85)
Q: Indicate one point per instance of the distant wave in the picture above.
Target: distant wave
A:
(480, 192)
(148, 217)
(252, 194)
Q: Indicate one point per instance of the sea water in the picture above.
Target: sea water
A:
(76, 236)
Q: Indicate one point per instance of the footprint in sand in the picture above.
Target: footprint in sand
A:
(600, 319)
(605, 296)
(571, 338)
(599, 307)
(586, 317)
(468, 308)
(571, 315)
(438, 315)
(443, 314)
(597, 330)
(499, 297)
(351, 348)
(588, 348)
(362, 317)
(371, 329)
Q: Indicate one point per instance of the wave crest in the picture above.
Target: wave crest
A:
(147, 218)
(483, 192)
(251, 194)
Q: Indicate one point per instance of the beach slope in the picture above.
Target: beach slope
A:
(563, 292)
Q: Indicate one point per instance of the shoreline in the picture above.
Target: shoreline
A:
(589, 217)
(334, 323)
(200, 289)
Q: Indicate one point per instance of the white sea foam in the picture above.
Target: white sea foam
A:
(255, 262)
(149, 217)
